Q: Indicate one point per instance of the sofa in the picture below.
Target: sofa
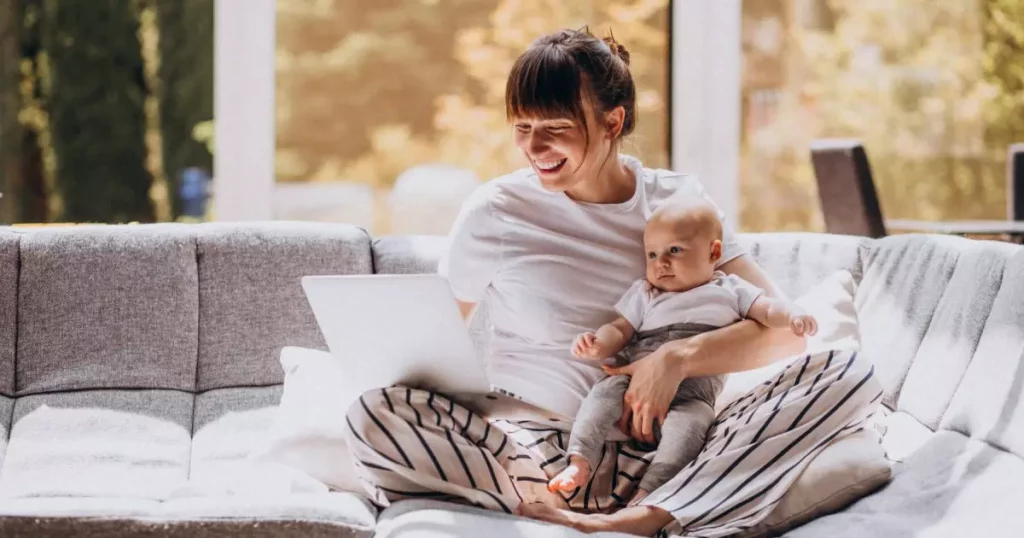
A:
(138, 359)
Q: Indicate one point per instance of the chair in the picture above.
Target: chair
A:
(849, 201)
(1015, 182)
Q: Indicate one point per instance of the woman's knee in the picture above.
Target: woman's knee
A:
(857, 379)
(371, 405)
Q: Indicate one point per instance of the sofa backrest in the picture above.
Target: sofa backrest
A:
(134, 359)
(180, 307)
(942, 318)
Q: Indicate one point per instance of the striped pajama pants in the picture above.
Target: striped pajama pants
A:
(410, 443)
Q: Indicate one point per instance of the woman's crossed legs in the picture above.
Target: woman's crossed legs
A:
(410, 443)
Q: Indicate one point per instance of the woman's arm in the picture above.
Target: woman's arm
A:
(745, 345)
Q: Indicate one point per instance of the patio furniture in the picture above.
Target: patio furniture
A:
(849, 201)
(1011, 229)
(1015, 182)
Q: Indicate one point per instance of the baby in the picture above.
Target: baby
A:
(682, 295)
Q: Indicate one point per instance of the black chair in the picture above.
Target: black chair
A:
(1015, 182)
(849, 201)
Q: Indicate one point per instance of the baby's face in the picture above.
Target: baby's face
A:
(677, 258)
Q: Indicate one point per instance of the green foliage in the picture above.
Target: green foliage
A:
(346, 67)
(1003, 66)
(95, 102)
(931, 87)
(186, 84)
(366, 91)
(10, 105)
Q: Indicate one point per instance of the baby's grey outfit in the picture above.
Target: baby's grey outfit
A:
(686, 425)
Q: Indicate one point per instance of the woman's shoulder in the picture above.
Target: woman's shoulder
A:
(512, 189)
(661, 182)
(495, 196)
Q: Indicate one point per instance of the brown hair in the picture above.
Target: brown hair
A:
(562, 71)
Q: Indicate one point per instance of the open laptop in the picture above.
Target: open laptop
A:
(407, 330)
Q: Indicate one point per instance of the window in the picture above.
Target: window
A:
(927, 87)
(105, 110)
(389, 113)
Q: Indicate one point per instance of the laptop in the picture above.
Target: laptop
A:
(407, 330)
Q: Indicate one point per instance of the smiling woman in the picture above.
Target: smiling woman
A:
(572, 97)
(550, 249)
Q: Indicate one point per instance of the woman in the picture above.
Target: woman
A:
(549, 249)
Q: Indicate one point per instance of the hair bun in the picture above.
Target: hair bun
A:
(618, 49)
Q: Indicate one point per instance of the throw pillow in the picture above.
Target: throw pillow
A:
(308, 432)
(831, 303)
(846, 470)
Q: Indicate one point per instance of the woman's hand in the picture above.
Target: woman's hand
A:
(653, 383)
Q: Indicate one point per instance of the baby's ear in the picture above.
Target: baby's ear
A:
(716, 251)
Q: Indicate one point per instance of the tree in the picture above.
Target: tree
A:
(349, 67)
(471, 128)
(906, 78)
(1003, 66)
(38, 198)
(185, 88)
(95, 102)
(10, 106)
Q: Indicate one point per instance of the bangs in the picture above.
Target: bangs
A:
(545, 83)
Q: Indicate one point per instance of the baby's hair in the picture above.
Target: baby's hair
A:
(701, 215)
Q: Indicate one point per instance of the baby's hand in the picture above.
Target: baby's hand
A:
(803, 324)
(586, 346)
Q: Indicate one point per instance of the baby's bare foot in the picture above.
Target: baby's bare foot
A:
(572, 477)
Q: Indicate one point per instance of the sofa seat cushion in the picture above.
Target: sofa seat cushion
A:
(951, 486)
(421, 518)
(331, 514)
(102, 443)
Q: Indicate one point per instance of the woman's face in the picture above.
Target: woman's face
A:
(556, 149)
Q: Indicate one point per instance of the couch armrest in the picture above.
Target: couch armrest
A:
(406, 254)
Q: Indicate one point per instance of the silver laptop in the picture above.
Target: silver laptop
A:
(407, 330)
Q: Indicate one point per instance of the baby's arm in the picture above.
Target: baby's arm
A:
(607, 341)
(780, 314)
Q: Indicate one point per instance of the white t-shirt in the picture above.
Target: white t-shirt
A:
(548, 268)
(724, 300)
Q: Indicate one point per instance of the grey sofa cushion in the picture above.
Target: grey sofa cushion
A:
(988, 402)
(107, 307)
(229, 424)
(333, 515)
(923, 305)
(105, 443)
(408, 254)
(6, 416)
(8, 309)
(798, 261)
(251, 300)
(419, 518)
(353, 513)
(952, 486)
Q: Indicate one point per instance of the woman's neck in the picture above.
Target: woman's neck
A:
(612, 184)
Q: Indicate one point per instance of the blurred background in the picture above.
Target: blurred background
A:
(387, 113)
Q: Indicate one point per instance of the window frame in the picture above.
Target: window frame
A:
(704, 58)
